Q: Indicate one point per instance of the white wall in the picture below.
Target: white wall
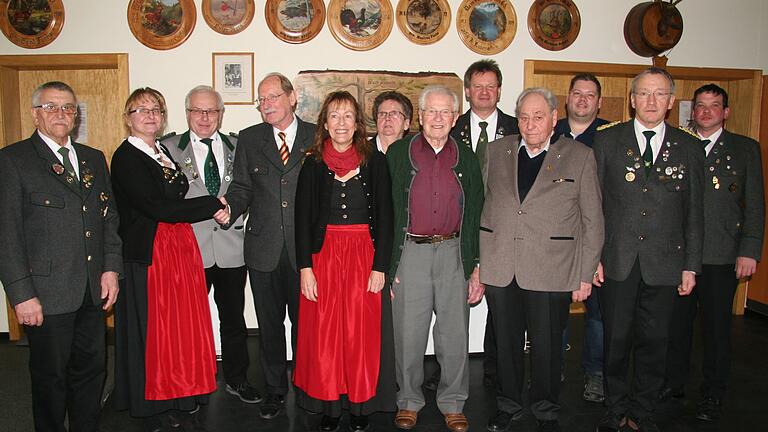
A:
(717, 34)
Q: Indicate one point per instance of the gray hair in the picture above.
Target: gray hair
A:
(51, 85)
(285, 83)
(654, 71)
(543, 92)
(204, 89)
(437, 89)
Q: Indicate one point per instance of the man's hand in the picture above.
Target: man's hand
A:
(689, 281)
(222, 215)
(745, 267)
(109, 289)
(29, 312)
(599, 276)
(376, 281)
(585, 289)
(475, 289)
(308, 284)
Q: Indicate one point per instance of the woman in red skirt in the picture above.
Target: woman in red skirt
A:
(344, 352)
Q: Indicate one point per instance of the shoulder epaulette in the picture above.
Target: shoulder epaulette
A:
(607, 125)
(689, 131)
(166, 136)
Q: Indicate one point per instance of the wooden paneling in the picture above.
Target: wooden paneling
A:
(758, 286)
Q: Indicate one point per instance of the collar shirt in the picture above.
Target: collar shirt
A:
(160, 157)
(474, 125)
(527, 150)
(54, 146)
(201, 151)
(290, 134)
(378, 144)
(712, 140)
(563, 127)
(656, 141)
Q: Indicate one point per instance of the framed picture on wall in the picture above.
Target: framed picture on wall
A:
(486, 26)
(554, 24)
(31, 24)
(295, 21)
(228, 16)
(162, 24)
(423, 22)
(233, 77)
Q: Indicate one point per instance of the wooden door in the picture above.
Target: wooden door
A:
(757, 295)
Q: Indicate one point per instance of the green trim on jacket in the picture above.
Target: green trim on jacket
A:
(467, 171)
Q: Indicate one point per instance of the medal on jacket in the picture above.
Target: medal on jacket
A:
(716, 182)
(58, 168)
(630, 177)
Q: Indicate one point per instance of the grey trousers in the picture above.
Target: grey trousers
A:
(431, 278)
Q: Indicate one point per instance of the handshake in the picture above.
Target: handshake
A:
(222, 216)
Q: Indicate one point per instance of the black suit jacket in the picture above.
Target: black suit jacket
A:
(148, 193)
(734, 203)
(656, 218)
(313, 205)
(58, 235)
(505, 125)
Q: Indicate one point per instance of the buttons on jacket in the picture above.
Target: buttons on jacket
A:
(88, 234)
(284, 204)
(641, 237)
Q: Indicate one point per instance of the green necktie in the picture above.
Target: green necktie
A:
(212, 177)
(705, 143)
(64, 152)
(482, 142)
(648, 153)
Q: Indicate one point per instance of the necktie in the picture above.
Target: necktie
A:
(705, 142)
(648, 153)
(64, 152)
(284, 153)
(482, 142)
(211, 170)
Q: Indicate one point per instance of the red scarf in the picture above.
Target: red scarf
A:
(340, 163)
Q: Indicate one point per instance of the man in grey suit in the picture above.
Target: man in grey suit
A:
(206, 157)
(734, 220)
(266, 171)
(60, 259)
(541, 233)
(652, 179)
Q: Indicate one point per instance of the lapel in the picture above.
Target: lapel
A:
(86, 171)
(270, 147)
(464, 133)
(630, 153)
(721, 147)
(50, 164)
(187, 159)
(229, 160)
(300, 145)
(548, 164)
(510, 171)
(668, 165)
(502, 129)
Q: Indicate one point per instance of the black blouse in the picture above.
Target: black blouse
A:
(348, 203)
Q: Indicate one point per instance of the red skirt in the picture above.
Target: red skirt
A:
(339, 336)
(180, 357)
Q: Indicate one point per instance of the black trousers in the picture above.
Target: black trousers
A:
(272, 292)
(636, 318)
(489, 348)
(229, 293)
(713, 295)
(67, 362)
(544, 315)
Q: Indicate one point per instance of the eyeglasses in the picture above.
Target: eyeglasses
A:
(432, 113)
(201, 112)
(147, 111)
(658, 94)
(394, 115)
(271, 99)
(51, 107)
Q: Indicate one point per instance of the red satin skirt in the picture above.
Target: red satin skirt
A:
(180, 358)
(339, 336)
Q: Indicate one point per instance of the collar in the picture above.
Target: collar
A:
(474, 119)
(712, 138)
(290, 131)
(160, 157)
(659, 129)
(54, 146)
(527, 150)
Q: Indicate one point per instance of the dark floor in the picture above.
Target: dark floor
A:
(745, 406)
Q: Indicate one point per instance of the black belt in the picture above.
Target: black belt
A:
(430, 239)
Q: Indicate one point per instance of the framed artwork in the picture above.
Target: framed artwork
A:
(360, 25)
(31, 24)
(554, 24)
(233, 77)
(423, 22)
(486, 26)
(162, 24)
(228, 16)
(295, 21)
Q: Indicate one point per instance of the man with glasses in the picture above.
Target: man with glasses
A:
(266, 171)
(437, 192)
(60, 259)
(651, 174)
(206, 157)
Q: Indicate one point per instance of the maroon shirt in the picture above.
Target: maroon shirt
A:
(436, 197)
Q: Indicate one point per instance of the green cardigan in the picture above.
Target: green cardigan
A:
(467, 171)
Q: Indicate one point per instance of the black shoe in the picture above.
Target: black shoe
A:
(358, 423)
(668, 393)
(610, 422)
(709, 409)
(548, 426)
(329, 424)
(432, 382)
(271, 406)
(245, 392)
(503, 420)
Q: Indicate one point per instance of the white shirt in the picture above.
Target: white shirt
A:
(712, 140)
(528, 150)
(54, 146)
(201, 151)
(160, 157)
(290, 134)
(378, 144)
(656, 141)
(474, 125)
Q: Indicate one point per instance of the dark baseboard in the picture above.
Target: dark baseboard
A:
(758, 307)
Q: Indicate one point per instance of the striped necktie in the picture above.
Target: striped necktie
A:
(284, 153)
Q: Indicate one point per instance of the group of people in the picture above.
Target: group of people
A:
(361, 241)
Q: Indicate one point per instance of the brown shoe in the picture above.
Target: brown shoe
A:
(405, 419)
(457, 422)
